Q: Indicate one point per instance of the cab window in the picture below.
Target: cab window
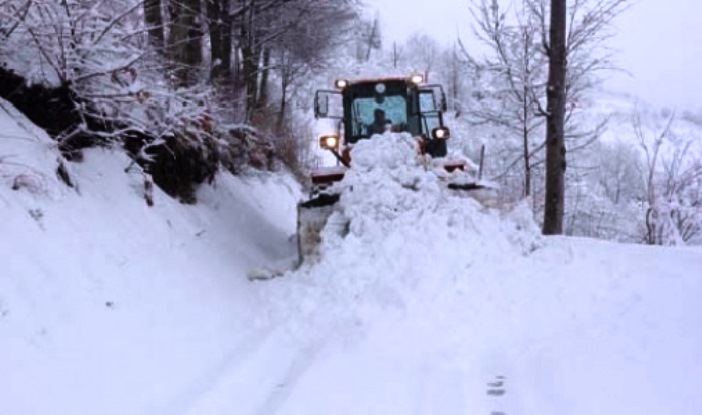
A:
(394, 106)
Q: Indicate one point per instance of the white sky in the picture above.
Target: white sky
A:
(659, 42)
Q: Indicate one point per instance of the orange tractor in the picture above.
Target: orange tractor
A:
(363, 108)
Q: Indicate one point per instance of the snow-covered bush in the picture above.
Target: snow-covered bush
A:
(89, 61)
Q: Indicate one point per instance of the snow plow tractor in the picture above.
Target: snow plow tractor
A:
(361, 109)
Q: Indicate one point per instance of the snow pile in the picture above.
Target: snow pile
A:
(397, 232)
(390, 189)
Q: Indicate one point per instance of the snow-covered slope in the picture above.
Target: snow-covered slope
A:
(109, 306)
(423, 302)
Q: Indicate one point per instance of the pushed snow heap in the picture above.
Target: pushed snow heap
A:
(397, 231)
(388, 180)
(390, 188)
(395, 210)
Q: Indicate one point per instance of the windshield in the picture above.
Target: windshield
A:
(365, 114)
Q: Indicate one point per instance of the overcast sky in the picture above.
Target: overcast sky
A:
(659, 42)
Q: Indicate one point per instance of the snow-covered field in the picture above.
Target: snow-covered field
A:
(424, 302)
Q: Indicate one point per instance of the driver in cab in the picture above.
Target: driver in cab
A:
(380, 124)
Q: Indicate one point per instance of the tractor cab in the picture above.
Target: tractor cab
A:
(373, 106)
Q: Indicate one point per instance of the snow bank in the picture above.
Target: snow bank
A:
(35, 175)
(109, 306)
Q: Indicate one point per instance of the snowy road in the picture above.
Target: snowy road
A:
(590, 333)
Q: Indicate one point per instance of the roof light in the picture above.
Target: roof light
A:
(417, 79)
(341, 83)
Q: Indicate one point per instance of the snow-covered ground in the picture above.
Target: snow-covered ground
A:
(424, 302)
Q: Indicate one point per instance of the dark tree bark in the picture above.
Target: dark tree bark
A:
(154, 23)
(284, 84)
(263, 87)
(220, 29)
(283, 106)
(185, 39)
(555, 119)
(249, 59)
(371, 38)
(250, 73)
(525, 142)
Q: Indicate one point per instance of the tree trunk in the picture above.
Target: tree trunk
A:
(154, 24)
(220, 29)
(263, 86)
(555, 140)
(454, 81)
(249, 57)
(250, 75)
(371, 38)
(185, 40)
(283, 104)
(525, 142)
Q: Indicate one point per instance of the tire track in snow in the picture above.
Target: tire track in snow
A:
(189, 398)
(300, 364)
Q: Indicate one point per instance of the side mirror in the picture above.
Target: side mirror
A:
(321, 103)
(444, 105)
(436, 101)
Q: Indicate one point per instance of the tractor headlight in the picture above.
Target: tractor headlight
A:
(440, 133)
(417, 79)
(329, 142)
(341, 83)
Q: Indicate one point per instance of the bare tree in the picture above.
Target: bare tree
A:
(374, 37)
(184, 42)
(396, 54)
(619, 171)
(219, 24)
(12, 14)
(153, 17)
(555, 120)
(307, 49)
(673, 181)
(453, 78)
(517, 66)
(577, 30)
(266, 26)
(521, 39)
(367, 38)
(258, 24)
(422, 53)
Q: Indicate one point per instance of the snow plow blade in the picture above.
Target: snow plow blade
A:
(312, 216)
(485, 193)
(465, 186)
